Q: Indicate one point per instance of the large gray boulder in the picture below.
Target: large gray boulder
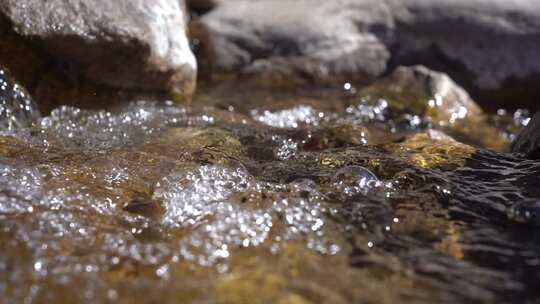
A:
(493, 39)
(313, 36)
(125, 44)
(483, 41)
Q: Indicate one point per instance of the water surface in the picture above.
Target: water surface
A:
(266, 198)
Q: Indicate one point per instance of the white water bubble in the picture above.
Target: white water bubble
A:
(353, 180)
(201, 200)
(21, 189)
(289, 118)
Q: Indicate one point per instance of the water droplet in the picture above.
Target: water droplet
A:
(354, 180)
(525, 212)
(289, 118)
(17, 110)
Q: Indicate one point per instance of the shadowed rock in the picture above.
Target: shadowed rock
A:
(528, 141)
(118, 44)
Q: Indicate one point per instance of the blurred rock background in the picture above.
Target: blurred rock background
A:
(91, 53)
(492, 48)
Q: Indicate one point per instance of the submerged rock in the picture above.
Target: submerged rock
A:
(17, 109)
(211, 144)
(492, 41)
(120, 44)
(427, 93)
(525, 212)
(528, 141)
(432, 149)
(426, 98)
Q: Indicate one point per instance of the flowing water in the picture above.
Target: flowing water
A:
(323, 198)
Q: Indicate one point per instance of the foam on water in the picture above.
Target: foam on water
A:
(353, 180)
(218, 203)
(366, 111)
(20, 188)
(135, 202)
(103, 130)
(288, 118)
(286, 148)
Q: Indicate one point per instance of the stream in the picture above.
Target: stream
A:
(233, 198)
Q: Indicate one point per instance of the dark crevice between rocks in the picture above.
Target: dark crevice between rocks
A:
(20, 57)
(202, 47)
(514, 93)
(197, 8)
(433, 58)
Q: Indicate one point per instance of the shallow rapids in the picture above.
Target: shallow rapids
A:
(361, 201)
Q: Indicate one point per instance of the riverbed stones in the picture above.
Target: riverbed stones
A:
(432, 149)
(124, 45)
(527, 142)
(481, 43)
(436, 99)
(427, 93)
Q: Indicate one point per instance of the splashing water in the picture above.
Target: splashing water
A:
(155, 202)
(17, 109)
(353, 180)
(204, 199)
(290, 118)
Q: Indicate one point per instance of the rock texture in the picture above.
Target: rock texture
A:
(484, 42)
(426, 93)
(123, 44)
(528, 141)
(311, 37)
(440, 101)
(493, 39)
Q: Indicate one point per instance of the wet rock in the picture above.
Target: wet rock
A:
(528, 141)
(525, 212)
(428, 93)
(353, 180)
(204, 138)
(143, 204)
(121, 44)
(345, 135)
(487, 42)
(432, 149)
(17, 109)
(416, 98)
